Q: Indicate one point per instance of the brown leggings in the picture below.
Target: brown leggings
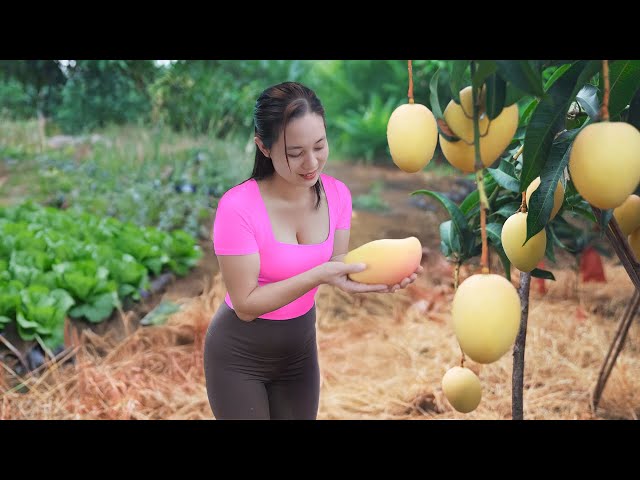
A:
(262, 369)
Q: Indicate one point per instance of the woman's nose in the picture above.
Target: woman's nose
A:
(311, 162)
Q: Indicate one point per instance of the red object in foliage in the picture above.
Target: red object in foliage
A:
(538, 283)
(591, 266)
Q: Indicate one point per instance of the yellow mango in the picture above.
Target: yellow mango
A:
(412, 135)
(514, 232)
(486, 316)
(628, 214)
(604, 163)
(496, 134)
(388, 260)
(558, 196)
(462, 388)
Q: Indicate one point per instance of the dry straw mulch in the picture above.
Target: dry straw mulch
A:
(382, 356)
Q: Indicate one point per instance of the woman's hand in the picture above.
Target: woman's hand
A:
(405, 282)
(336, 274)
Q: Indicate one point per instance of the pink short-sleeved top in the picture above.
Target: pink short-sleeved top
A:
(242, 227)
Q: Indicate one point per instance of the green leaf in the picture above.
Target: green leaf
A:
(460, 226)
(435, 101)
(97, 308)
(549, 116)
(624, 81)
(458, 69)
(449, 241)
(494, 236)
(505, 180)
(484, 69)
(557, 74)
(474, 197)
(160, 314)
(507, 210)
(527, 111)
(522, 75)
(496, 95)
(513, 95)
(541, 202)
(539, 273)
(588, 99)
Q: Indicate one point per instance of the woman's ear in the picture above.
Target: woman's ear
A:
(263, 149)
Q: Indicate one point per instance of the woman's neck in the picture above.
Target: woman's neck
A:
(279, 188)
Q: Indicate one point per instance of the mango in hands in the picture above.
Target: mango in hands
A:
(388, 260)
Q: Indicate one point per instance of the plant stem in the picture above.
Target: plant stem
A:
(410, 93)
(604, 109)
(519, 152)
(456, 275)
(523, 205)
(484, 202)
(517, 378)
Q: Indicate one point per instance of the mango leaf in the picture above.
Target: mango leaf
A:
(485, 69)
(522, 75)
(539, 273)
(527, 111)
(624, 82)
(496, 95)
(633, 117)
(555, 76)
(449, 241)
(549, 116)
(494, 236)
(588, 99)
(513, 95)
(458, 69)
(460, 226)
(440, 96)
(541, 202)
(507, 210)
(505, 180)
(473, 198)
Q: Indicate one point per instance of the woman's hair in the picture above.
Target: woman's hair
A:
(275, 108)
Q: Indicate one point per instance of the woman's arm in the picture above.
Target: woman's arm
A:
(250, 301)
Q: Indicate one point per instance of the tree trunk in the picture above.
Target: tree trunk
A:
(517, 379)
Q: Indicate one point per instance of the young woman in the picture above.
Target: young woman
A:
(278, 236)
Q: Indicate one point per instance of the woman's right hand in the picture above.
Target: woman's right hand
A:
(336, 274)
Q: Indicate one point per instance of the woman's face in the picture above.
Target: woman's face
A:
(307, 149)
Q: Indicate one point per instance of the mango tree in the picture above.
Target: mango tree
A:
(554, 148)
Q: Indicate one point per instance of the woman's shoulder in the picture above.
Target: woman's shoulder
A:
(337, 185)
(242, 194)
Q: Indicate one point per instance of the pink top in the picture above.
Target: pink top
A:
(242, 227)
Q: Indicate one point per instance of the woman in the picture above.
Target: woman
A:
(278, 236)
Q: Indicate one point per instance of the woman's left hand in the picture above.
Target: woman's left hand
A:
(404, 282)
